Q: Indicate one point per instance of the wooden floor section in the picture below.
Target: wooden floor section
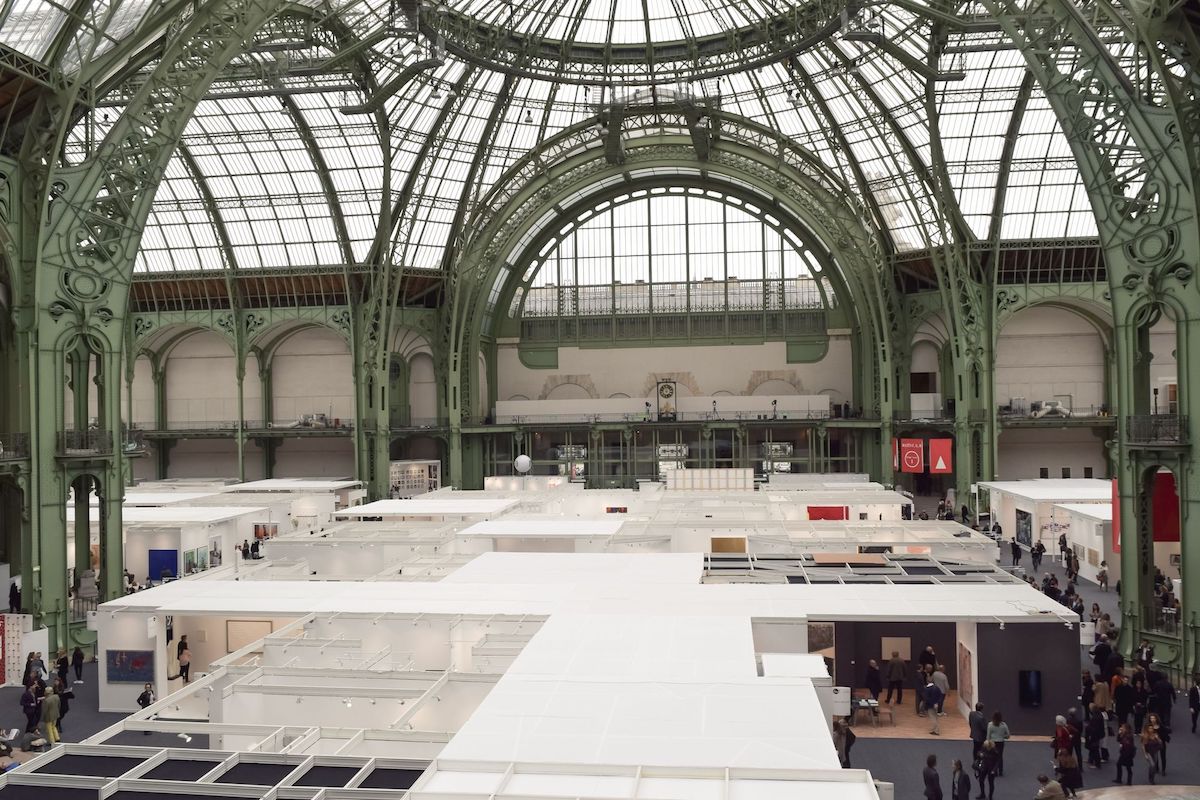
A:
(910, 726)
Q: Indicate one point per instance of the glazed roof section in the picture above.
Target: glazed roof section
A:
(273, 174)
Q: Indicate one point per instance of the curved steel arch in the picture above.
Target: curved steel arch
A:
(808, 198)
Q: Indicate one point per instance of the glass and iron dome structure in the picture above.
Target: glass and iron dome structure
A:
(288, 160)
(453, 176)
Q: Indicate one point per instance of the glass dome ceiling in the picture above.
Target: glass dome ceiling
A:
(289, 162)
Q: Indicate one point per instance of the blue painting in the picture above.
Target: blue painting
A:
(130, 666)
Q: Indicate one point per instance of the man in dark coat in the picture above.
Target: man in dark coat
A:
(978, 724)
(933, 783)
(29, 705)
(1016, 551)
(1124, 698)
(896, 672)
(874, 681)
(1100, 654)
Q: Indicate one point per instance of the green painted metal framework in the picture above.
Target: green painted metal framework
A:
(132, 170)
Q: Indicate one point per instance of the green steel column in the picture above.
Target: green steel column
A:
(112, 564)
(1187, 481)
(82, 487)
(268, 413)
(44, 573)
(240, 433)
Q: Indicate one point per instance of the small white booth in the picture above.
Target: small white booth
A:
(1029, 510)
(1089, 532)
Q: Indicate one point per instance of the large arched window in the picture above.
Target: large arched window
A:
(672, 251)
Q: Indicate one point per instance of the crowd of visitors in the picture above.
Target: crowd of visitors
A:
(1123, 718)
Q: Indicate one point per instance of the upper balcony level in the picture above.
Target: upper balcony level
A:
(1157, 430)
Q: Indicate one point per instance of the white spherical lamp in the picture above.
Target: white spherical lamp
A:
(523, 463)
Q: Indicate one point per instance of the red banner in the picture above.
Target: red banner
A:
(828, 512)
(912, 455)
(941, 459)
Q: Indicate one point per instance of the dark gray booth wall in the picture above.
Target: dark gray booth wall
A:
(859, 642)
(1047, 646)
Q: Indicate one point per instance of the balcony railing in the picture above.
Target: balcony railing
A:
(82, 444)
(14, 446)
(1165, 429)
(1161, 620)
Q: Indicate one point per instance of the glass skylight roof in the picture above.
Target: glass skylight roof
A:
(273, 174)
(621, 21)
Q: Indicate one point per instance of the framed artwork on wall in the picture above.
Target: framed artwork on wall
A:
(129, 666)
(266, 530)
(966, 684)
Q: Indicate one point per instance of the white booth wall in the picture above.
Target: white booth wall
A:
(1092, 540)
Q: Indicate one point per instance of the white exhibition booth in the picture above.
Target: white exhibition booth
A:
(334, 494)
(1089, 532)
(431, 507)
(176, 539)
(1029, 509)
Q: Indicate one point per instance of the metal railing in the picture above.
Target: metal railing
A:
(1161, 620)
(14, 446)
(651, 416)
(85, 443)
(80, 606)
(1168, 429)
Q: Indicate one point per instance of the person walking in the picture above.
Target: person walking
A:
(960, 782)
(933, 782)
(1070, 776)
(997, 733)
(1126, 750)
(77, 663)
(1102, 576)
(1035, 554)
(978, 725)
(874, 681)
(843, 740)
(50, 713)
(65, 696)
(896, 672)
(29, 705)
(1101, 697)
(1015, 548)
(185, 666)
(943, 683)
(1124, 698)
(933, 701)
(1152, 749)
(1194, 700)
(1094, 736)
(62, 665)
(986, 766)
(1163, 731)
